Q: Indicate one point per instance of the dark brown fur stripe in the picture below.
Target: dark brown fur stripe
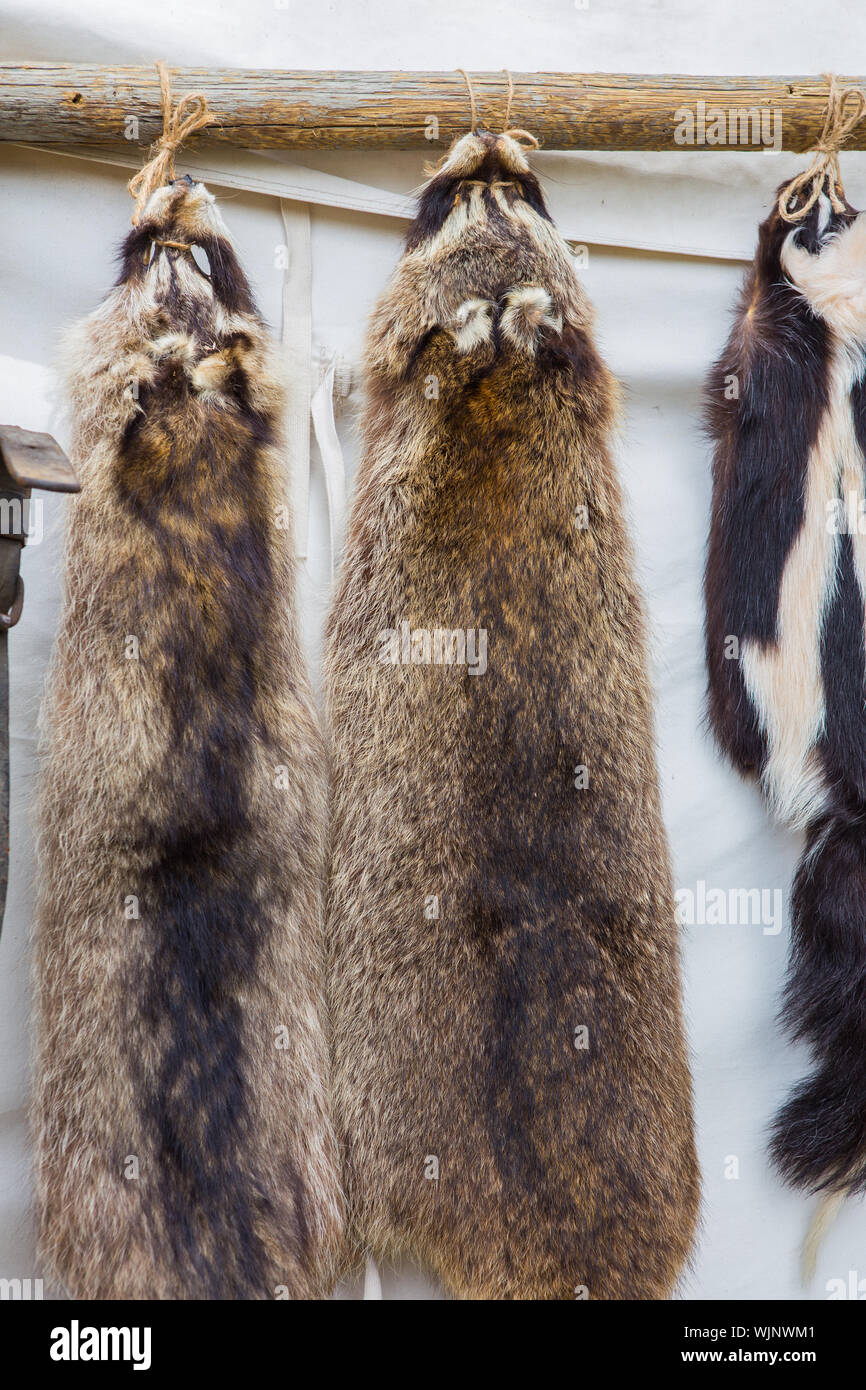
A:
(196, 980)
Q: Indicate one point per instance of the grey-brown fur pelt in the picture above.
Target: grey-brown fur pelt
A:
(511, 1083)
(184, 1142)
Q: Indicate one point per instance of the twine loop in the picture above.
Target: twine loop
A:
(473, 116)
(516, 133)
(825, 162)
(505, 123)
(190, 114)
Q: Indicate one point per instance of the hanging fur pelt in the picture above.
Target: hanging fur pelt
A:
(511, 1083)
(185, 1147)
(785, 587)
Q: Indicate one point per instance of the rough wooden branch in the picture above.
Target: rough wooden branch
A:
(67, 103)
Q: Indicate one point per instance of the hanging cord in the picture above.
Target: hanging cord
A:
(473, 118)
(825, 163)
(190, 114)
(507, 121)
(521, 137)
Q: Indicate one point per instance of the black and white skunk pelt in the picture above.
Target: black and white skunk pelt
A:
(786, 650)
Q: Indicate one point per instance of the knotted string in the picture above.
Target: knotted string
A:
(516, 133)
(473, 119)
(190, 114)
(520, 136)
(509, 101)
(825, 162)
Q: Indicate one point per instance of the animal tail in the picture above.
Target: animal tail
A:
(828, 1210)
(819, 1136)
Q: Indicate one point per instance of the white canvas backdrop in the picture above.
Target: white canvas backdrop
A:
(662, 316)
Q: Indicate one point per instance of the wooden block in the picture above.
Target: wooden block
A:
(36, 460)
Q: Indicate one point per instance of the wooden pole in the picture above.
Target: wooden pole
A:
(70, 104)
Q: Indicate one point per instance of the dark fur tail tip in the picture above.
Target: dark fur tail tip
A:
(819, 1136)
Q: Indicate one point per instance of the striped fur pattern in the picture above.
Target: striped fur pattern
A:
(185, 1146)
(786, 578)
(511, 1083)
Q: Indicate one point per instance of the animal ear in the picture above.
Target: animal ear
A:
(472, 324)
(528, 315)
(209, 373)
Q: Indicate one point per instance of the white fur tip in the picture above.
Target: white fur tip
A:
(473, 324)
(822, 1220)
(372, 1282)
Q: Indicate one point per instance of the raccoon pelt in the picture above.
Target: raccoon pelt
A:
(511, 1084)
(785, 586)
(184, 1141)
